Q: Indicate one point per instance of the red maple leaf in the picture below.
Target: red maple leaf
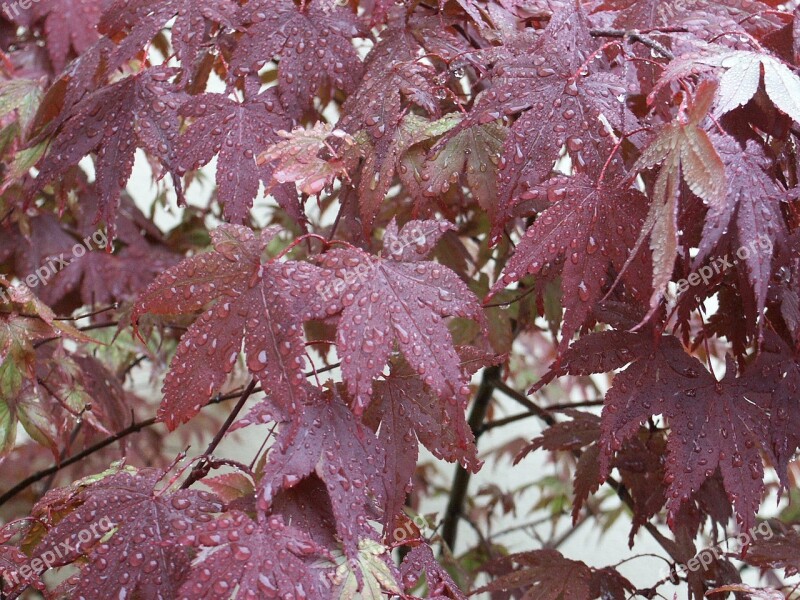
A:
(408, 413)
(68, 25)
(777, 373)
(395, 298)
(713, 424)
(141, 20)
(324, 438)
(249, 128)
(586, 237)
(559, 106)
(268, 559)
(250, 300)
(378, 106)
(140, 111)
(313, 45)
(142, 555)
(420, 561)
(749, 218)
(544, 574)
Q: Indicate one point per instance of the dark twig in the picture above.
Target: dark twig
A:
(668, 545)
(526, 402)
(458, 491)
(201, 468)
(132, 428)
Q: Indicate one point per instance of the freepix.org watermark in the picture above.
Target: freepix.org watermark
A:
(55, 264)
(13, 9)
(722, 263)
(48, 558)
(706, 557)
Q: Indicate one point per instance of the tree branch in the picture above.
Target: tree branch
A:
(201, 468)
(637, 36)
(458, 491)
(134, 427)
(668, 545)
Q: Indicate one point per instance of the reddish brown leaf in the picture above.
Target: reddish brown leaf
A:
(713, 424)
(142, 555)
(396, 298)
(251, 301)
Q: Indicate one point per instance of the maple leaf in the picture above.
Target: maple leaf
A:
(640, 463)
(755, 593)
(100, 277)
(419, 561)
(12, 559)
(251, 301)
(752, 205)
(21, 96)
(28, 322)
(476, 153)
(45, 238)
(600, 352)
(239, 558)
(324, 438)
(236, 132)
(409, 414)
(740, 79)
(781, 550)
(698, 16)
(299, 160)
(138, 111)
(545, 85)
(685, 150)
(231, 488)
(307, 506)
(395, 298)
(142, 555)
(84, 75)
(777, 373)
(371, 577)
(586, 236)
(579, 436)
(141, 20)
(713, 424)
(582, 430)
(313, 45)
(68, 25)
(544, 575)
(378, 107)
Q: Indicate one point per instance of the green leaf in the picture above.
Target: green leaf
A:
(8, 425)
(375, 573)
(36, 420)
(475, 151)
(22, 95)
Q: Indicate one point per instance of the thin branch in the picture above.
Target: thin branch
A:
(636, 36)
(201, 468)
(668, 545)
(94, 313)
(458, 491)
(501, 422)
(570, 405)
(526, 402)
(134, 427)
